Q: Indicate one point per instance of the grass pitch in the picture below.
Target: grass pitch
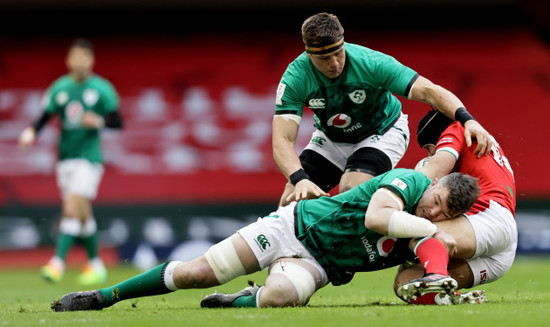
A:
(522, 297)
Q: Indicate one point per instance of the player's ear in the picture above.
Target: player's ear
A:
(434, 181)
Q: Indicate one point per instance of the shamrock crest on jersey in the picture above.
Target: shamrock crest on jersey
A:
(358, 96)
(90, 97)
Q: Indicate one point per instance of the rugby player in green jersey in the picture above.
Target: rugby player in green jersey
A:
(85, 104)
(308, 244)
(360, 129)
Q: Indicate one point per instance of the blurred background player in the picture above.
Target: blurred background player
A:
(85, 104)
(360, 129)
(486, 237)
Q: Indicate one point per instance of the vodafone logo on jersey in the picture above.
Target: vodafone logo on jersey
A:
(385, 245)
(339, 120)
(73, 112)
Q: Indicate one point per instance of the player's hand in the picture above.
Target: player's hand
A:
(306, 189)
(27, 137)
(448, 241)
(92, 120)
(473, 129)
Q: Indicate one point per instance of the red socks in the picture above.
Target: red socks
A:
(433, 255)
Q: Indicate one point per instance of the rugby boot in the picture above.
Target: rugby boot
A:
(79, 301)
(51, 273)
(456, 298)
(431, 283)
(221, 300)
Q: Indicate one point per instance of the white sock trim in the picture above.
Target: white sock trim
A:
(70, 226)
(97, 264)
(258, 297)
(89, 228)
(58, 263)
(169, 275)
(420, 242)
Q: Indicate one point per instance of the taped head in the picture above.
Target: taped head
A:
(430, 128)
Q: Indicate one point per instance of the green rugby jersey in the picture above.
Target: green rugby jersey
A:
(333, 228)
(357, 104)
(70, 100)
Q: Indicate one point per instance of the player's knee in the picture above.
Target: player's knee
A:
(288, 284)
(280, 293)
(192, 274)
(71, 209)
(346, 187)
(353, 178)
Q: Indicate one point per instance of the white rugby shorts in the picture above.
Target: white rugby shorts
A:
(272, 237)
(496, 243)
(393, 143)
(79, 176)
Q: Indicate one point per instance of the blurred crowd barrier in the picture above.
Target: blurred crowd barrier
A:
(146, 235)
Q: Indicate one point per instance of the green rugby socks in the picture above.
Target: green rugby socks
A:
(146, 284)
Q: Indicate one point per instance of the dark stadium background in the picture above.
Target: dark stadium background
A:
(197, 82)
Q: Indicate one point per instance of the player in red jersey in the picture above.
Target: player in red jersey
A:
(485, 238)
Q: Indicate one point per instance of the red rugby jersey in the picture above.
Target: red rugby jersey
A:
(496, 178)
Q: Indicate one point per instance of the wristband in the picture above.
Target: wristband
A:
(462, 115)
(297, 176)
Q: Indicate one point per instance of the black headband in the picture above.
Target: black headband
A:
(325, 48)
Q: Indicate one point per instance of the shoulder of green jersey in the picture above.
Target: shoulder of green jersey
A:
(399, 184)
(398, 201)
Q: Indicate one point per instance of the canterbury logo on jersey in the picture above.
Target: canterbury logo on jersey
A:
(318, 141)
(339, 120)
(262, 242)
(317, 103)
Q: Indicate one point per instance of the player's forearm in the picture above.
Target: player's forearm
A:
(113, 120)
(286, 158)
(400, 224)
(41, 122)
(438, 97)
(285, 132)
(441, 164)
(444, 101)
